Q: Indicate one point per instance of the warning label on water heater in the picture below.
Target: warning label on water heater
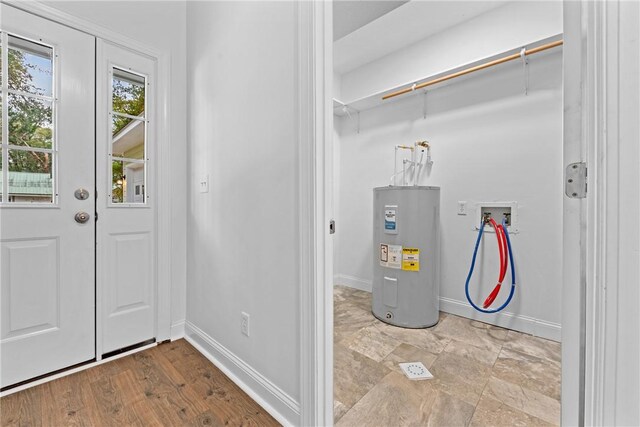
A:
(411, 259)
(390, 256)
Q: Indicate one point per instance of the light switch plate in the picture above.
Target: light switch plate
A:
(204, 184)
(244, 323)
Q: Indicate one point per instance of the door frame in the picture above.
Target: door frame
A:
(579, 229)
(315, 129)
(163, 153)
(602, 46)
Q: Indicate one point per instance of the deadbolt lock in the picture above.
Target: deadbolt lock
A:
(81, 194)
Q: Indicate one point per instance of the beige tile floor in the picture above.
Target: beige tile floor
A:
(483, 375)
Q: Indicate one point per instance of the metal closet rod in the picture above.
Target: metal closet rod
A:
(474, 69)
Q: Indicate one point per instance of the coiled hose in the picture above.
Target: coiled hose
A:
(504, 246)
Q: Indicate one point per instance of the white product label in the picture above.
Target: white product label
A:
(390, 256)
(390, 218)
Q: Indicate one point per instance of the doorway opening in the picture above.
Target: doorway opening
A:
(423, 104)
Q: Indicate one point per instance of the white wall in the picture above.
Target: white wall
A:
(513, 25)
(490, 143)
(337, 86)
(242, 235)
(162, 26)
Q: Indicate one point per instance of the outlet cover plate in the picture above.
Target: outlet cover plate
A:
(462, 207)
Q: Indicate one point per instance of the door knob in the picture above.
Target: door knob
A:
(82, 217)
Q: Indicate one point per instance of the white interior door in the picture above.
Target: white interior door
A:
(48, 258)
(126, 198)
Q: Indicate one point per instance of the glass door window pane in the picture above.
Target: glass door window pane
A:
(28, 136)
(128, 93)
(30, 67)
(30, 122)
(128, 137)
(30, 177)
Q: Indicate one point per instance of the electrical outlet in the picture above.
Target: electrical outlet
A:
(462, 208)
(204, 184)
(244, 324)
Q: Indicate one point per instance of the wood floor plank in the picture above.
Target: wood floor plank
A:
(166, 397)
(195, 403)
(91, 410)
(129, 389)
(62, 404)
(109, 402)
(23, 410)
(220, 393)
(146, 415)
(167, 385)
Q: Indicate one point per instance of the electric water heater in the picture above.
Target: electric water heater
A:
(406, 284)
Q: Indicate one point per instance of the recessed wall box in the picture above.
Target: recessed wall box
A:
(498, 211)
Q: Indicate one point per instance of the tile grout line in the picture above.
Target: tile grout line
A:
(475, 409)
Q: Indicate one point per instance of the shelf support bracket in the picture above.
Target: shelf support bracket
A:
(525, 69)
(424, 105)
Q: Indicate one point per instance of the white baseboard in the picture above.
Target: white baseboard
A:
(353, 282)
(275, 401)
(526, 324)
(529, 325)
(177, 330)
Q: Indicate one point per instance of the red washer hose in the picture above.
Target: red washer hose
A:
(503, 250)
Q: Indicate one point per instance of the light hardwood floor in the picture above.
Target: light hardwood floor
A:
(168, 385)
(483, 375)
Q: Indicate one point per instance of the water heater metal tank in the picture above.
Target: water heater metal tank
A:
(406, 255)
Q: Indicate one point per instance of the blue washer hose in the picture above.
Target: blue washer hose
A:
(473, 263)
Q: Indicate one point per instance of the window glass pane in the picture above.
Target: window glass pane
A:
(128, 125)
(30, 122)
(128, 141)
(119, 124)
(30, 67)
(30, 177)
(117, 182)
(128, 93)
(128, 182)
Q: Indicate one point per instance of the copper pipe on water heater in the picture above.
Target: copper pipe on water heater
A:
(474, 69)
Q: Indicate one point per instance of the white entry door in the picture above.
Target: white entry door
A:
(126, 202)
(47, 230)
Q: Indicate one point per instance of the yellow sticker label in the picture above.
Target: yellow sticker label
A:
(411, 259)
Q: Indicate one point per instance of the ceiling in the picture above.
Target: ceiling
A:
(400, 26)
(348, 16)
